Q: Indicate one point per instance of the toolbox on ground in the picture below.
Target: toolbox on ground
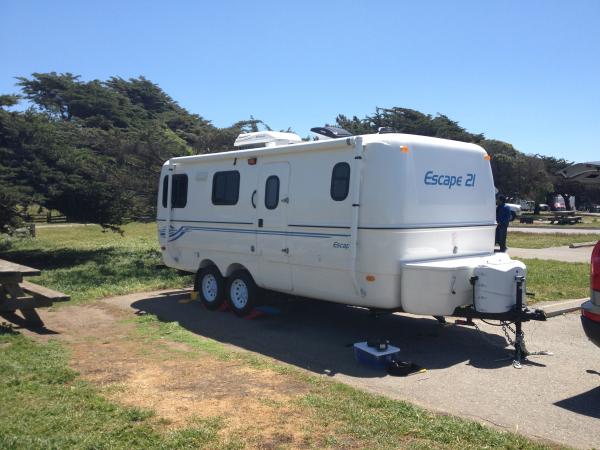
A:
(373, 357)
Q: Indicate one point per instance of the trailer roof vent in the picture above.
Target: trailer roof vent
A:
(266, 139)
(324, 133)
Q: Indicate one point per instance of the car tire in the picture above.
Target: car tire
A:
(513, 215)
(210, 287)
(241, 293)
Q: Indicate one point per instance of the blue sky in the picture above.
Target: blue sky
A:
(527, 72)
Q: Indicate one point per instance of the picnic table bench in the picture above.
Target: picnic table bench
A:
(526, 219)
(17, 294)
(565, 219)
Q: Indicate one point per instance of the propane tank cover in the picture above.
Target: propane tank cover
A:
(496, 286)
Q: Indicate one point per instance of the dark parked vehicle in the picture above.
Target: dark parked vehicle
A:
(590, 311)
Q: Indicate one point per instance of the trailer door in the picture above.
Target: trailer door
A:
(272, 240)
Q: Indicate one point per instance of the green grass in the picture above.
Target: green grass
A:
(86, 262)
(557, 280)
(519, 239)
(379, 422)
(46, 406)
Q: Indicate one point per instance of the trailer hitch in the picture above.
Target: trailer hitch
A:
(524, 314)
(518, 314)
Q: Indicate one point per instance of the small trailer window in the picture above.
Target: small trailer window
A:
(340, 181)
(165, 191)
(179, 193)
(272, 192)
(226, 188)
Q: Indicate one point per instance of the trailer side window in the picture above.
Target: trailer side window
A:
(340, 181)
(165, 190)
(272, 192)
(226, 187)
(179, 191)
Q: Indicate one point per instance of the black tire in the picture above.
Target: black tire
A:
(208, 280)
(513, 215)
(241, 293)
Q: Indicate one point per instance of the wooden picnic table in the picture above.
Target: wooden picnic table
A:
(528, 218)
(17, 294)
(565, 218)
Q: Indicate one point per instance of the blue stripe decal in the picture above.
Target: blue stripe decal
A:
(176, 233)
(207, 221)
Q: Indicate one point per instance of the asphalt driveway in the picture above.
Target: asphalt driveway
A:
(564, 253)
(555, 397)
(558, 229)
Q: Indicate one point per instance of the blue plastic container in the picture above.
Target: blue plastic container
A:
(373, 357)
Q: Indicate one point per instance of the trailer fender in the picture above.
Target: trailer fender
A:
(235, 267)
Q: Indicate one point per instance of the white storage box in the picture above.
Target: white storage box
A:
(496, 286)
(438, 287)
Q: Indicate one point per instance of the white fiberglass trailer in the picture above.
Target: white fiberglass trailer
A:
(384, 221)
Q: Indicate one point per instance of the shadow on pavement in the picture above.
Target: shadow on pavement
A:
(16, 322)
(318, 336)
(586, 403)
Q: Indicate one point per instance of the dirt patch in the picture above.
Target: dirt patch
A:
(178, 383)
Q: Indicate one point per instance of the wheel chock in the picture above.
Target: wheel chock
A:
(255, 314)
(261, 311)
(224, 307)
(193, 296)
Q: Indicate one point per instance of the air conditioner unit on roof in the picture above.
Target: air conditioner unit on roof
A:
(266, 139)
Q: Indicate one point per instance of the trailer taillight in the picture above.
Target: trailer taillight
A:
(595, 268)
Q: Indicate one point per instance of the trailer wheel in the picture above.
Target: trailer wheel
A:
(210, 287)
(241, 292)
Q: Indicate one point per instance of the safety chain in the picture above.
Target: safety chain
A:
(483, 336)
(505, 329)
(524, 352)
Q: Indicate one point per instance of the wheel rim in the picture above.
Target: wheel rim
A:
(210, 288)
(239, 293)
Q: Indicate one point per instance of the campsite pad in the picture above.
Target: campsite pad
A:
(558, 398)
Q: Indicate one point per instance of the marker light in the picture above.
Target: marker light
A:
(251, 161)
(404, 148)
(370, 278)
(487, 157)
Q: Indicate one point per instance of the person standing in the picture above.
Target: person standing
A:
(502, 219)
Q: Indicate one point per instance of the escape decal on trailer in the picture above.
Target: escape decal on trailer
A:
(433, 179)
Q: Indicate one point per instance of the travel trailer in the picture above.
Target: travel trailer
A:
(389, 222)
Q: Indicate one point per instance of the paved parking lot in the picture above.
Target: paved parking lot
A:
(561, 230)
(581, 254)
(555, 397)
